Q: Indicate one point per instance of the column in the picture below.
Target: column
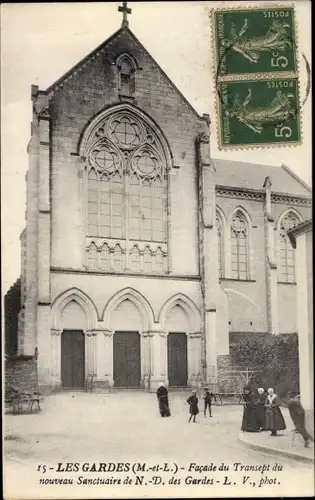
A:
(156, 359)
(304, 314)
(108, 357)
(194, 358)
(55, 337)
(79, 252)
(44, 210)
(43, 344)
(100, 356)
(90, 353)
(163, 358)
(208, 242)
(210, 338)
(147, 359)
(271, 265)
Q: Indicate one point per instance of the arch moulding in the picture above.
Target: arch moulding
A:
(138, 300)
(97, 120)
(189, 308)
(82, 299)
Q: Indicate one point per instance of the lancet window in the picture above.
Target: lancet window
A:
(239, 247)
(286, 251)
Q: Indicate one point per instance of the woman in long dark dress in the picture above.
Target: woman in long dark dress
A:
(162, 395)
(250, 421)
(261, 408)
(274, 418)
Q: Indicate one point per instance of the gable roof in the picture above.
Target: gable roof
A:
(101, 47)
(303, 227)
(252, 176)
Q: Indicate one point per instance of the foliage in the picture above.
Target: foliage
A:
(275, 357)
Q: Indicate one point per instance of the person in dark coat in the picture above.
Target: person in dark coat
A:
(162, 395)
(297, 414)
(250, 421)
(193, 406)
(208, 401)
(261, 408)
(274, 418)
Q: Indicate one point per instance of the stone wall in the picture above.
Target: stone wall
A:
(21, 373)
(12, 304)
(226, 382)
(75, 104)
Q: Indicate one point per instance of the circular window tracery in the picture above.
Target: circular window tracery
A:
(146, 164)
(105, 159)
(123, 141)
(126, 132)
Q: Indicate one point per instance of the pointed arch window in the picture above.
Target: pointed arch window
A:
(239, 246)
(126, 71)
(135, 259)
(220, 243)
(286, 251)
(126, 193)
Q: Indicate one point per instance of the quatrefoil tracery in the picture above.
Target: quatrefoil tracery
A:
(123, 143)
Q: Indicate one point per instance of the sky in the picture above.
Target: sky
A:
(40, 42)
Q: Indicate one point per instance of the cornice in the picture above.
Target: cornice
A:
(259, 195)
(290, 199)
(243, 193)
(60, 270)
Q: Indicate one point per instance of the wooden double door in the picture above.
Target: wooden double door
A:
(127, 362)
(72, 359)
(177, 359)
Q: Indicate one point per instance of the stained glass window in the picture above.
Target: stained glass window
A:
(126, 189)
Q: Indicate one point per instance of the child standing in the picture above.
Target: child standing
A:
(208, 401)
(193, 406)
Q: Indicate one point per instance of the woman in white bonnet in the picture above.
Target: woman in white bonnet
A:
(162, 395)
(274, 418)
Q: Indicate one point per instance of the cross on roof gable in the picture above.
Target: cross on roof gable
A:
(124, 9)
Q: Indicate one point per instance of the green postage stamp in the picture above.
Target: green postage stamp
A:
(258, 112)
(258, 40)
(256, 76)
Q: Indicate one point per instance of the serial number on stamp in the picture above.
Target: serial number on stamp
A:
(259, 40)
(258, 112)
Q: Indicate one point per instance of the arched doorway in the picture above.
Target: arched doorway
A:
(126, 322)
(177, 326)
(73, 321)
(72, 359)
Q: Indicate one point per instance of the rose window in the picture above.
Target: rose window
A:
(126, 132)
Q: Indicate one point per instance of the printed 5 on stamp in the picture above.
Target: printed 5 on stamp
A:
(256, 76)
(258, 40)
(258, 112)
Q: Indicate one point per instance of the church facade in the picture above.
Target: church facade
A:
(143, 258)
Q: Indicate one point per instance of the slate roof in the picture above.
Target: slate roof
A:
(252, 176)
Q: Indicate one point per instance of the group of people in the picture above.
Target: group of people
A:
(162, 396)
(261, 410)
(262, 413)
